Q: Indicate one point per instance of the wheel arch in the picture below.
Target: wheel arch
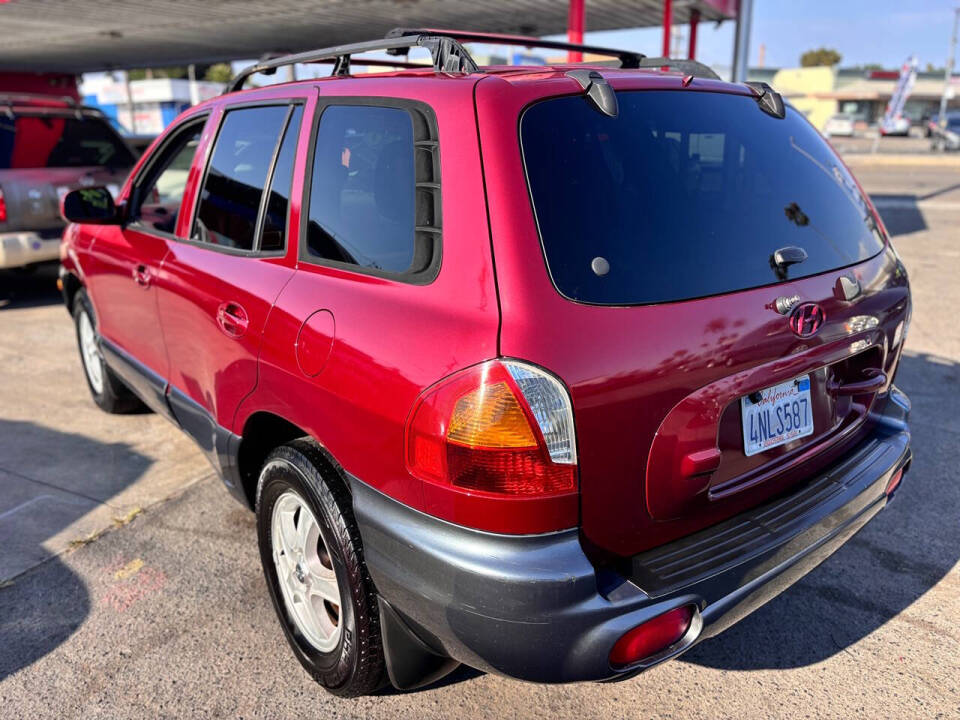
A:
(264, 431)
(70, 285)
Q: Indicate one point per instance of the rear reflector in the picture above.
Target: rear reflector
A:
(651, 637)
(3, 207)
(894, 481)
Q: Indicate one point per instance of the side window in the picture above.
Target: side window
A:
(237, 174)
(274, 232)
(157, 200)
(374, 202)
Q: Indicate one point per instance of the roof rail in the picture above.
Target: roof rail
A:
(9, 98)
(445, 47)
(687, 67)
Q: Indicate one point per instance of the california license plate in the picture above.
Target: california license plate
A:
(776, 415)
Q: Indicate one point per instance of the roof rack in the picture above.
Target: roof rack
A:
(8, 100)
(445, 47)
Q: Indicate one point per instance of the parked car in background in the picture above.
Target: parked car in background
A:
(839, 125)
(896, 127)
(553, 371)
(946, 136)
(48, 147)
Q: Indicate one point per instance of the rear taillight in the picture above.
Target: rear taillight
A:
(493, 435)
(652, 637)
(3, 207)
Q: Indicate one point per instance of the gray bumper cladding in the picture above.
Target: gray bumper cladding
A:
(535, 608)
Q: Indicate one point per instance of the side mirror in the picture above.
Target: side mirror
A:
(92, 206)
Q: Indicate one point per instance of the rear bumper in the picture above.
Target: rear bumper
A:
(26, 247)
(534, 608)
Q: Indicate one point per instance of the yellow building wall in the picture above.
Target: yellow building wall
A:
(801, 85)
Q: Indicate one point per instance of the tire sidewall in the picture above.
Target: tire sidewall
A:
(81, 305)
(282, 473)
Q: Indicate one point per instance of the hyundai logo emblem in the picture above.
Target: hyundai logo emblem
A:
(807, 319)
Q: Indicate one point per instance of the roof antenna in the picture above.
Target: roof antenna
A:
(598, 90)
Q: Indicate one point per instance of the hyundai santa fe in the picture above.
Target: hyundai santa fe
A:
(552, 371)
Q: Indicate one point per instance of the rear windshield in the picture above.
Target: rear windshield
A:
(58, 141)
(685, 194)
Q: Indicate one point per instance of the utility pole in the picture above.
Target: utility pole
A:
(741, 41)
(192, 80)
(942, 119)
(130, 105)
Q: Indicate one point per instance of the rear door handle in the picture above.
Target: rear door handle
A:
(141, 275)
(232, 319)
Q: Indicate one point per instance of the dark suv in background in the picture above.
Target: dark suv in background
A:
(553, 371)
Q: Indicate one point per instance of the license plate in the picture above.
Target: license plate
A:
(780, 414)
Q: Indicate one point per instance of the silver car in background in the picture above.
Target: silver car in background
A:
(49, 146)
(839, 125)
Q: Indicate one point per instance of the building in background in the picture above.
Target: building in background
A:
(143, 107)
(804, 87)
(820, 92)
(865, 94)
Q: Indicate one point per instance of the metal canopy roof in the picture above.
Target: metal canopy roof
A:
(87, 35)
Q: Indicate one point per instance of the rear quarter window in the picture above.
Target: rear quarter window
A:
(685, 194)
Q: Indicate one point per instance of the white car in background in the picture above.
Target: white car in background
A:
(839, 125)
(896, 127)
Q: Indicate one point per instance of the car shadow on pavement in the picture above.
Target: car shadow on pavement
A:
(51, 484)
(34, 288)
(903, 552)
(901, 214)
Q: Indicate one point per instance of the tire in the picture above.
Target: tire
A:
(108, 391)
(339, 644)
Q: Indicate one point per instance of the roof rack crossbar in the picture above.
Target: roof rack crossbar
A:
(687, 67)
(628, 58)
(445, 47)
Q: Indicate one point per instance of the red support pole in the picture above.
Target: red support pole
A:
(694, 21)
(576, 22)
(667, 25)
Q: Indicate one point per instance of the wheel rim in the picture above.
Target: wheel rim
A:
(92, 362)
(305, 573)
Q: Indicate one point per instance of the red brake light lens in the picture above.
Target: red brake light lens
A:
(3, 207)
(651, 637)
(502, 427)
(894, 481)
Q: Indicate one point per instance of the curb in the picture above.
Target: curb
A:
(919, 160)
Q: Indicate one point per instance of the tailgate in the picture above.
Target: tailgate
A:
(653, 260)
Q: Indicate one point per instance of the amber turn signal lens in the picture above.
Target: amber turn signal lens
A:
(490, 417)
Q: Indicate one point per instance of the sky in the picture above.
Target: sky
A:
(863, 31)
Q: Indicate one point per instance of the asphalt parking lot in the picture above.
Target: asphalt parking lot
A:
(130, 584)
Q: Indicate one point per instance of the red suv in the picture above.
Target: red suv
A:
(552, 371)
